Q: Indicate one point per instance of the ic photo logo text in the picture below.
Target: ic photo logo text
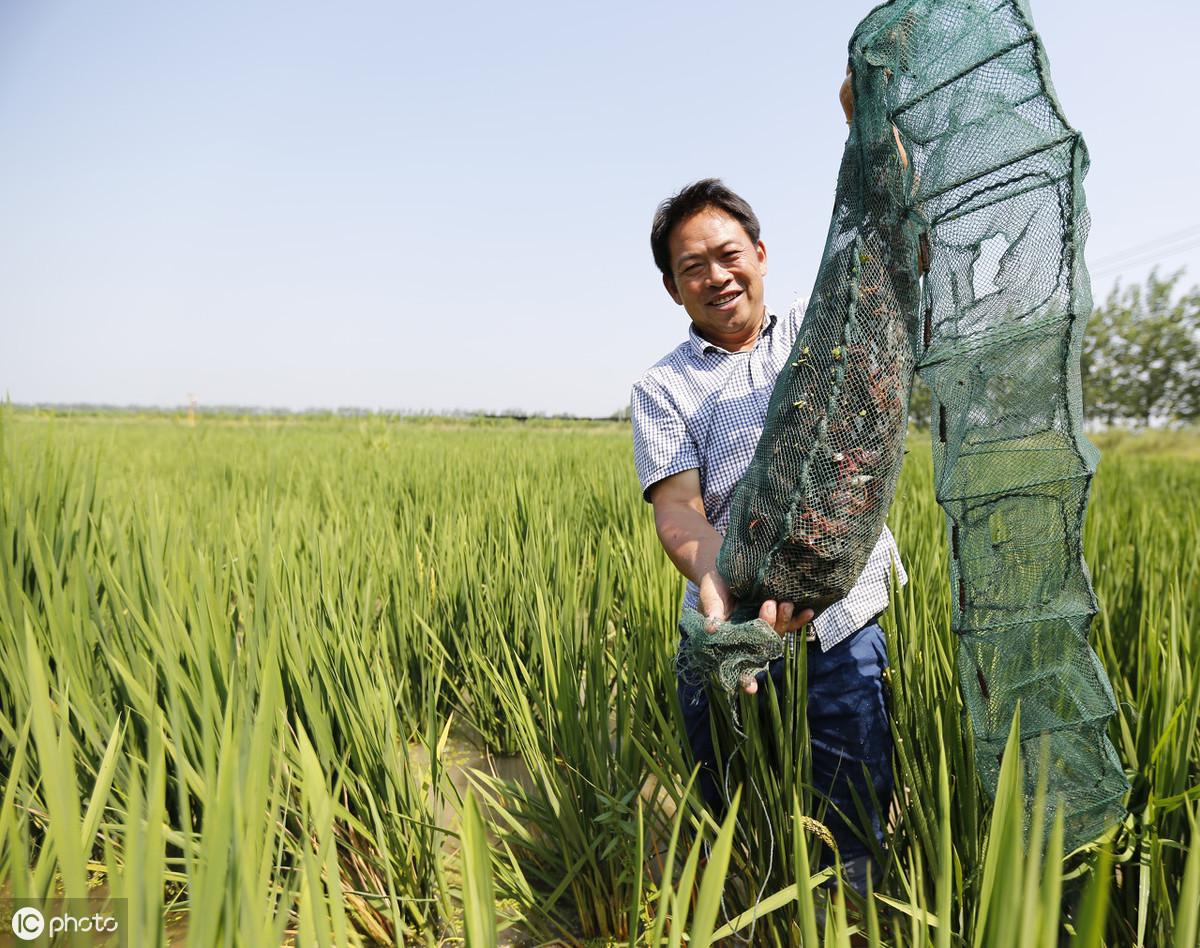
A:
(49, 920)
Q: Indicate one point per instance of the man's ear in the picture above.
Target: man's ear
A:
(761, 249)
(669, 283)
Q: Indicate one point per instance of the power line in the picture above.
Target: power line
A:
(1139, 249)
(1143, 258)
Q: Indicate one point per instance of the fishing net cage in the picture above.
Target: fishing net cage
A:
(955, 251)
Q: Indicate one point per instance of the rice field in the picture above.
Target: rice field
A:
(378, 681)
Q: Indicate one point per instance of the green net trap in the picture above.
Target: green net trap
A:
(955, 250)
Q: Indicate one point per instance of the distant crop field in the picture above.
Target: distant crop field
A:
(392, 681)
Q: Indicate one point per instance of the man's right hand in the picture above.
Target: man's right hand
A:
(716, 604)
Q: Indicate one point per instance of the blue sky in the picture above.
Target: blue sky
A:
(447, 206)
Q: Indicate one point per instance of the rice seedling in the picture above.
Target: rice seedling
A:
(241, 657)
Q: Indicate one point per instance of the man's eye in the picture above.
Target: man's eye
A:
(732, 254)
(692, 268)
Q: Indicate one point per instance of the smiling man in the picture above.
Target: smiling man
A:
(697, 417)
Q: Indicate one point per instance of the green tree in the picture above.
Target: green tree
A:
(1141, 354)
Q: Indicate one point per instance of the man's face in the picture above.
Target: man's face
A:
(716, 276)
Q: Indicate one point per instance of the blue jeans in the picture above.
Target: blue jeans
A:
(848, 725)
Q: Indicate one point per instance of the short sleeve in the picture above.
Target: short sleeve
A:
(661, 443)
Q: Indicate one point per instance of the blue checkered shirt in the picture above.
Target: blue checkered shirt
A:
(703, 407)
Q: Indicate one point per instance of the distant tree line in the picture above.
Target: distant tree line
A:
(1141, 355)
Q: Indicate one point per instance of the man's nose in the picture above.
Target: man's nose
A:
(717, 274)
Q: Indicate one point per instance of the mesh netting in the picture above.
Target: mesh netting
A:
(955, 248)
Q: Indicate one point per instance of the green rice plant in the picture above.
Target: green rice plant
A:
(479, 899)
(1187, 930)
(260, 641)
(570, 830)
(135, 851)
(191, 650)
(1147, 574)
(385, 820)
(708, 900)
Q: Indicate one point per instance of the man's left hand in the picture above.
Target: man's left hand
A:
(783, 618)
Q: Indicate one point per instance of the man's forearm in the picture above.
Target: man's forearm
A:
(689, 541)
(692, 545)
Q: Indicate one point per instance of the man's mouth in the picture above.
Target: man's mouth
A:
(724, 298)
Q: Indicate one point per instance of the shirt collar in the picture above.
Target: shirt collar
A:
(702, 346)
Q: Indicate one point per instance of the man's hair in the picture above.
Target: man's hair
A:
(709, 192)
